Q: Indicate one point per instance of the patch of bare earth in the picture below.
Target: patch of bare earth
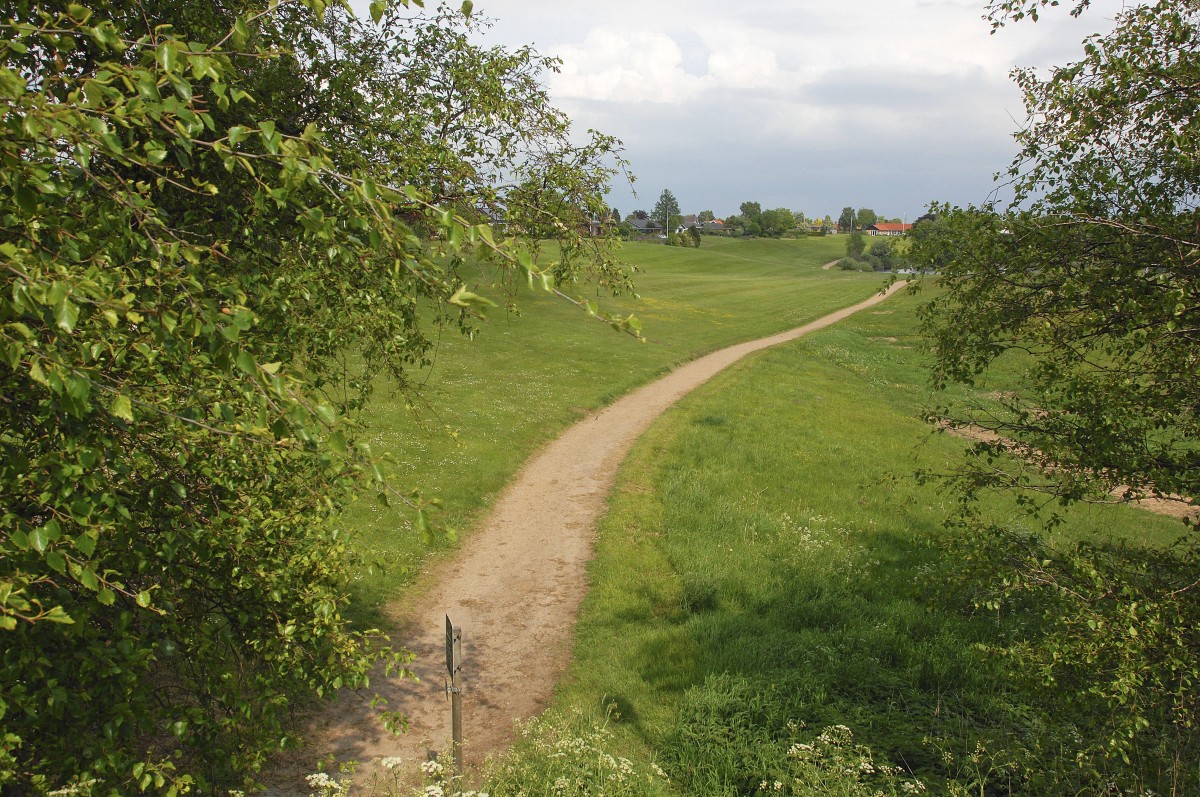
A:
(1176, 506)
(514, 589)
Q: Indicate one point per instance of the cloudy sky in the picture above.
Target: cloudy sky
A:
(887, 104)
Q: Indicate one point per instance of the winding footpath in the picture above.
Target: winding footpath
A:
(515, 589)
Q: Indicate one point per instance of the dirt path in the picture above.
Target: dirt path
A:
(515, 588)
(831, 264)
(1176, 506)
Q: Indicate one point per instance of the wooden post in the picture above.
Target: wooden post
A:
(454, 665)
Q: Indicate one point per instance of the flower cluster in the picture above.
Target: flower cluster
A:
(832, 763)
(325, 786)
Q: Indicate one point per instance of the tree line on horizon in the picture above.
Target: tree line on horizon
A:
(750, 220)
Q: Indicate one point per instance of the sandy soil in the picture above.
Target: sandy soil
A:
(832, 263)
(514, 589)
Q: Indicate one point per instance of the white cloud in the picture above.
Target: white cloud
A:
(742, 67)
(885, 102)
(625, 66)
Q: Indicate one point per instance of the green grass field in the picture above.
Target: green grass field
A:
(526, 377)
(774, 597)
(769, 568)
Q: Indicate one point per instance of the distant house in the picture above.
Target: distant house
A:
(644, 226)
(888, 228)
(715, 225)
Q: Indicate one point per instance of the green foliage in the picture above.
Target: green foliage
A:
(737, 225)
(666, 210)
(924, 235)
(1088, 282)
(1118, 627)
(856, 243)
(211, 248)
(754, 221)
(1001, 12)
(846, 220)
(774, 223)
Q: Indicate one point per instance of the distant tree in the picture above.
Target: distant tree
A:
(845, 221)
(616, 215)
(881, 256)
(640, 215)
(774, 223)
(801, 219)
(666, 208)
(735, 224)
(706, 215)
(694, 231)
(866, 217)
(928, 234)
(751, 210)
(855, 245)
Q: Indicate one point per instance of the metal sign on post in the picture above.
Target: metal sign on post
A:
(453, 648)
(454, 666)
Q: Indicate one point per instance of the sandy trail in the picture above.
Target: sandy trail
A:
(514, 589)
(831, 264)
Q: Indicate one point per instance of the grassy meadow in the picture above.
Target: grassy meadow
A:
(775, 604)
(488, 403)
